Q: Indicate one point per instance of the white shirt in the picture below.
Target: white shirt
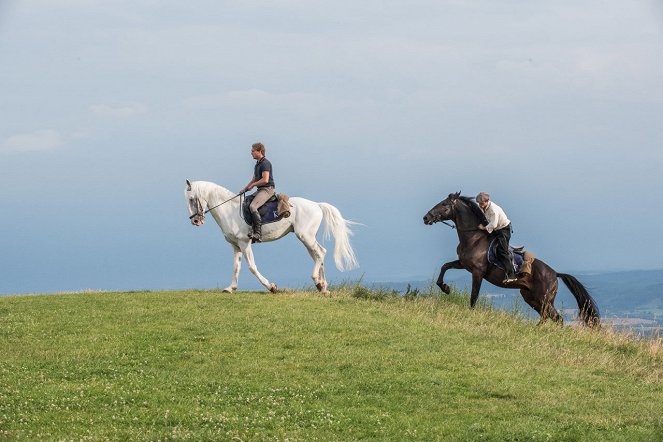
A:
(496, 217)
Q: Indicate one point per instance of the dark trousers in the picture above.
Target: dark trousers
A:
(502, 250)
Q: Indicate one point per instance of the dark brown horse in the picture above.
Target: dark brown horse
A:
(538, 288)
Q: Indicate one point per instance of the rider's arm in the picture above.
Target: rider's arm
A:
(491, 217)
(264, 179)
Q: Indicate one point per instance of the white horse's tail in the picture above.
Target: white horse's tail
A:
(344, 256)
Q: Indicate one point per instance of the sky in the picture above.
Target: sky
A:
(381, 108)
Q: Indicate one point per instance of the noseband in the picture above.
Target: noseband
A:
(199, 209)
(199, 206)
(453, 214)
(437, 217)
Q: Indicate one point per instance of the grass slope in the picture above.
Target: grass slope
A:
(299, 366)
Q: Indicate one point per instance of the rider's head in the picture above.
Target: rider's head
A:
(483, 198)
(258, 147)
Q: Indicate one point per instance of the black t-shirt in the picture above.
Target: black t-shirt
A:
(263, 165)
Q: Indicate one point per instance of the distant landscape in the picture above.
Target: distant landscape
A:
(628, 299)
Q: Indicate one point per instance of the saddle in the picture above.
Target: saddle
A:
(521, 259)
(275, 209)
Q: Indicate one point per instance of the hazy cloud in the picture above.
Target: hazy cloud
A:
(118, 110)
(294, 102)
(41, 140)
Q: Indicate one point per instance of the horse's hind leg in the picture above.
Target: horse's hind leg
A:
(317, 253)
(542, 302)
(533, 301)
(549, 310)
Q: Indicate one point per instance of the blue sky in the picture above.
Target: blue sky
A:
(381, 108)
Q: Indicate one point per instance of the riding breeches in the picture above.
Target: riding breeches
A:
(261, 197)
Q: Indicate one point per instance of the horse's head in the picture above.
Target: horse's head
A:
(442, 211)
(195, 205)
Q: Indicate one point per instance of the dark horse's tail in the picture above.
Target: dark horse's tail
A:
(589, 311)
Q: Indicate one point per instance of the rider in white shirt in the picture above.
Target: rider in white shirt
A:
(499, 227)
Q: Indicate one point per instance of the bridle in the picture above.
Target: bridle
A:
(199, 206)
(453, 213)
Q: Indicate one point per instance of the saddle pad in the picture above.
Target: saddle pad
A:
(268, 212)
(516, 254)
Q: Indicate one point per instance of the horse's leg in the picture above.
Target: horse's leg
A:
(317, 253)
(440, 279)
(477, 278)
(533, 300)
(541, 296)
(322, 278)
(248, 255)
(237, 265)
(539, 300)
(549, 310)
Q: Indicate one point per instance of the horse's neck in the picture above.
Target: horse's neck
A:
(213, 193)
(466, 220)
(467, 226)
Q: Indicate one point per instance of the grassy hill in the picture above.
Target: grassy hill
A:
(355, 365)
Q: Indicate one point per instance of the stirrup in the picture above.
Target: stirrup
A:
(254, 238)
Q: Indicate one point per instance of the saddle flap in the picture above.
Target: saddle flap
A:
(273, 210)
(516, 253)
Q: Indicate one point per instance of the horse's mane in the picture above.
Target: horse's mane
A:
(210, 190)
(475, 208)
(208, 186)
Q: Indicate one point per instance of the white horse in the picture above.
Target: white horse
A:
(305, 218)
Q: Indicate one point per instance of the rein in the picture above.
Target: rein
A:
(456, 228)
(212, 208)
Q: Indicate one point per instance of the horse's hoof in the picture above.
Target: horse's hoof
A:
(273, 288)
(228, 290)
(446, 289)
(320, 287)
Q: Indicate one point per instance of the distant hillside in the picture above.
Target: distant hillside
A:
(618, 294)
(627, 291)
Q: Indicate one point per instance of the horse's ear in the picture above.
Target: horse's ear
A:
(188, 185)
(454, 196)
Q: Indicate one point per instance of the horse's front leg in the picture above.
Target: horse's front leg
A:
(248, 255)
(237, 265)
(440, 280)
(477, 278)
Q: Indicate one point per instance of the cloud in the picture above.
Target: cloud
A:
(262, 101)
(41, 140)
(118, 111)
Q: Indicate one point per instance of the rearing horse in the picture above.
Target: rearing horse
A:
(305, 219)
(538, 289)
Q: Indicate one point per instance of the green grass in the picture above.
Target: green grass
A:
(356, 365)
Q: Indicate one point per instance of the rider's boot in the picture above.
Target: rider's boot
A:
(257, 228)
(509, 274)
